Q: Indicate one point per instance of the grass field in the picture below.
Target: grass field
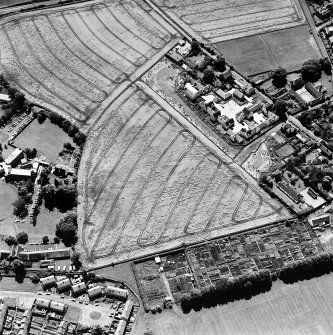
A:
(71, 60)
(288, 48)
(47, 138)
(149, 183)
(220, 20)
(301, 308)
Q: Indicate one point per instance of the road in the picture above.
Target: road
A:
(309, 18)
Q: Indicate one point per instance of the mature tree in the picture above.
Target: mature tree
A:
(97, 330)
(35, 279)
(68, 146)
(20, 208)
(280, 109)
(45, 239)
(11, 240)
(279, 77)
(72, 130)
(326, 184)
(195, 47)
(22, 237)
(79, 138)
(41, 118)
(65, 197)
(208, 77)
(219, 63)
(48, 194)
(18, 266)
(311, 70)
(76, 260)
(65, 125)
(56, 240)
(66, 229)
(326, 65)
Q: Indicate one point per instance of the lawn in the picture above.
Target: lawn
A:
(288, 48)
(302, 308)
(46, 223)
(47, 138)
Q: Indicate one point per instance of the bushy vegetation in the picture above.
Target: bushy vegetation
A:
(63, 197)
(16, 106)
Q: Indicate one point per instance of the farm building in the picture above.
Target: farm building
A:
(116, 292)
(79, 288)
(63, 285)
(95, 292)
(48, 281)
(15, 157)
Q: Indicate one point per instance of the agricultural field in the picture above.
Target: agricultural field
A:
(301, 308)
(288, 48)
(151, 184)
(224, 20)
(71, 59)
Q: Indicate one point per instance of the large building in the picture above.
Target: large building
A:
(14, 158)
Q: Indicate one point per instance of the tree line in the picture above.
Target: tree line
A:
(249, 285)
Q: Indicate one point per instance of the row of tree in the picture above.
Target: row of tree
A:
(307, 268)
(71, 129)
(227, 290)
(244, 287)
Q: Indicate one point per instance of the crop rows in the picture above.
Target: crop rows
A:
(71, 60)
(154, 183)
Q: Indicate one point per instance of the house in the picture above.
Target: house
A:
(58, 307)
(320, 221)
(310, 87)
(323, 13)
(226, 75)
(116, 292)
(223, 95)
(62, 329)
(330, 41)
(15, 157)
(238, 95)
(208, 99)
(325, 152)
(4, 98)
(225, 121)
(312, 193)
(95, 292)
(328, 31)
(48, 282)
(19, 174)
(42, 303)
(79, 288)
(288, 191)
(213, 114)
(63, 285)
(125, 315)
(174, 56)
(63, 170)
(249, 91)
(121, 327)
(191, 92)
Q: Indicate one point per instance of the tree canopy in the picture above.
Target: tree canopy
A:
(279, 77)
(22, 237)
(280, 108)
(208, 77)
(20, 208)
(311, 70)
(66, 229)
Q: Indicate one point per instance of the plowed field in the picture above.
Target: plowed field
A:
(219, 20)
(148, 184)
(72, 59)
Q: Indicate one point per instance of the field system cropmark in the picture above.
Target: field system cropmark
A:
(219, 20)
(153, 184)
(73, 59)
